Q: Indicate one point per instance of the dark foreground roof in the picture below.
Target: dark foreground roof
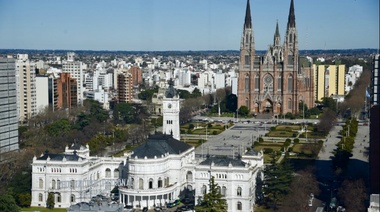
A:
(160, 144)
(223, 161)
(59, 157)
(252, 152)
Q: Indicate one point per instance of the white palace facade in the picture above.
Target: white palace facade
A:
(157, 172)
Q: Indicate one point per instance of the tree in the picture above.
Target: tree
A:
(231, 103)
(277, 178)
(327, 121)
(353, 194)
(123, 113)
(7, 203)
(329, 102)
(50, 201)
(213, 200)
(303, 183)
(243, 111)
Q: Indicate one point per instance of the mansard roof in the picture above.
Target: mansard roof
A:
(223, 161)
(160, 144)
(59, 157)
(252, 152)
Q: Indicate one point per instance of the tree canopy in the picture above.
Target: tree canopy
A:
(213, 201)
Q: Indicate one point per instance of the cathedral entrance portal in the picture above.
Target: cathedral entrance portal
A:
(268, 106)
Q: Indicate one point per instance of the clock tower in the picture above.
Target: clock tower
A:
(170, 108)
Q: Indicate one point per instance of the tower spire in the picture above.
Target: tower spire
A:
(277, 33)
(248, 19)
(292, 16)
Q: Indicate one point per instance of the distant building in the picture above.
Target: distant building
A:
(353, 74)
(42, 92)
(278, 81)
(220, 80)
(136, 75)
(75, 69)
(8, 111)
(67, 91)
(329, 81)
(374, 142)
(26, 87)
(125, 87)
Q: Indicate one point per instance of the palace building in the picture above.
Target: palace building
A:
(278, 81)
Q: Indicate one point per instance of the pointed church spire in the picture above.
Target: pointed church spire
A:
(248, 19)
(292, 16)
(277, 34)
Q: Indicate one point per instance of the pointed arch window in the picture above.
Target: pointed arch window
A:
(247, 60)
(289, 104)
(279, 83)
(290, 83)
(246, 83)
(257, 82)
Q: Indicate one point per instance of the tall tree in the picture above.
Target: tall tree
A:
(277, 178)
(353, 194)
(7, 203)
(213, 200)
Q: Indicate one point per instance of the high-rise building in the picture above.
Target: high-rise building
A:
(374, 138)
(75, 68)
(26, 87)
(8, 108)
(125, 87)
(278, 81)
(136, 75)
(67, 91)
(329, 81)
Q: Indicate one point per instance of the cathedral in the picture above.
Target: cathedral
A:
(277, 82)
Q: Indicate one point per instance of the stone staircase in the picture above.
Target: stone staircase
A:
(264, 116)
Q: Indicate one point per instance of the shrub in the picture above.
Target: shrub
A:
(261, 139)
(214, 132)
(189, 131)
(272, 128)
(288, 140)
(290, 149)
(256, 143)
(296, 140)
(268, 150)
(191, 126)
(294, 135)
(209, 125)
(183, 131)
(320, 142)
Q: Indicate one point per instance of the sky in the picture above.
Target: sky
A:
(169, 25)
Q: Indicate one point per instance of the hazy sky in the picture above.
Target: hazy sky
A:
(157, 25)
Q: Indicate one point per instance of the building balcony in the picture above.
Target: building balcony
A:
(153, 191)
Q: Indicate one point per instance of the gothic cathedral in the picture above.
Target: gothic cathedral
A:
(279, 81)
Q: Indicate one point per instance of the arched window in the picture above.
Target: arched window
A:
(58, 184)
(289, 104)
(159, 183)
(72, 198)
(41, 183)
(239, 206)
(218, 189)
(204, 189)
(166, 181)
(224, 190)
(247, 102)
(58, 197)
(238, 191)
(97, 176)
(132, 184)
(189, 176)
(257, 82)
(290, 83)
(53, 184)
(141, 183)
(116, 173)
(150, 183)
(40, 197)
(246, 83)
(108, 172)
(279, 83)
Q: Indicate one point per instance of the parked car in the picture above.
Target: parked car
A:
(145, 209)
(173, 204)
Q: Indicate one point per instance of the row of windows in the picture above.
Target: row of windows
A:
(279, 83)
(150, 183)
(57, 197)
(223, 190)
(169, 121)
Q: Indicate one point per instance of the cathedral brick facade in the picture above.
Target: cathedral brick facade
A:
(278, 81)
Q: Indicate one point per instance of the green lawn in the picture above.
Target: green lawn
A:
(35, 209)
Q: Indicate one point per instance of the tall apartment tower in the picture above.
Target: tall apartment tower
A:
(26, 85)
(329, 80)
(66, 91)
(8, 109)
(125, 87)
(278, 81)
(374, 135)
(75, 69)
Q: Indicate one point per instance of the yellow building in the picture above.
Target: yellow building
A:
(329, 80)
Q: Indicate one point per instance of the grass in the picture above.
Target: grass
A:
(43, 209)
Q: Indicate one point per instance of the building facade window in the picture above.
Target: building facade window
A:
(257, 83)
(41, 183)
(72, 198)
(290, 83)
(116, 173)
(246, 83)
(150, 183)
(239, 206)
(289, 104)
(238, 193)
(224, 190)
(159, 183)
(204, 189)
(279, 83)
(59, 198)
(40, 197)
(141, 183)
(53, 184)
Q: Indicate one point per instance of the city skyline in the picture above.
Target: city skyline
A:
(166, 25)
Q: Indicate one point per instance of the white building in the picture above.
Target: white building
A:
(26, 87)
(42, 92)
(353, 74)
(220, 80)
(159, 171)
(75, 68)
